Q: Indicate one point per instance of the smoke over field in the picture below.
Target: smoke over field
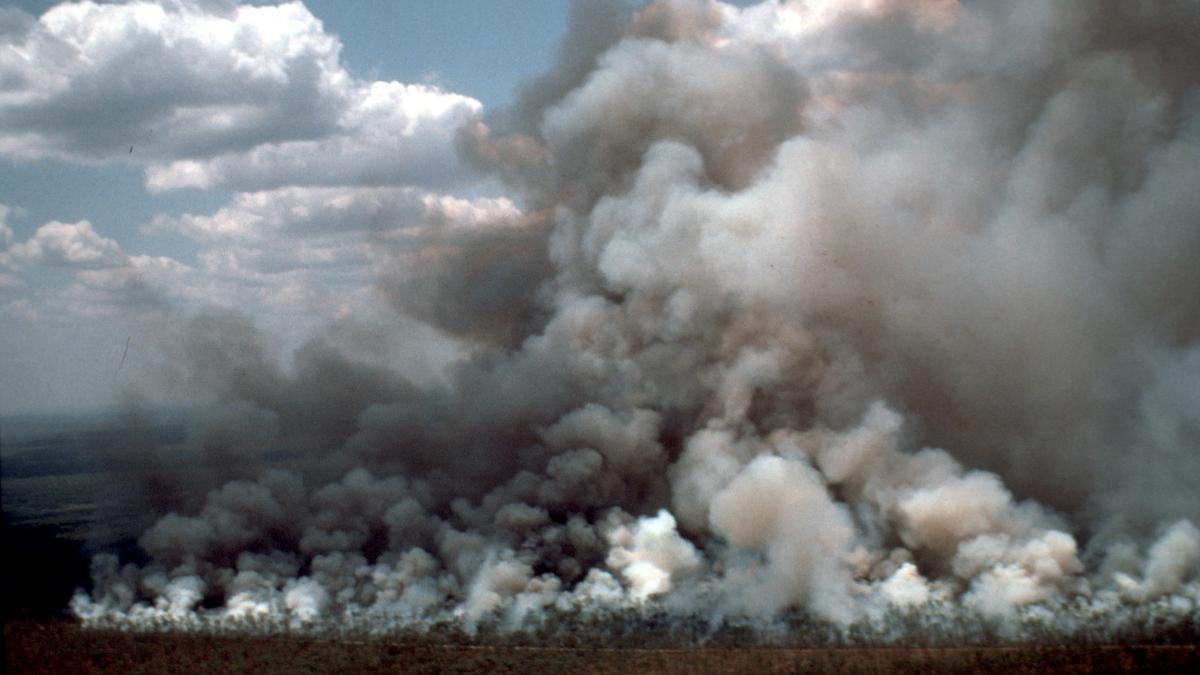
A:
(884, 314)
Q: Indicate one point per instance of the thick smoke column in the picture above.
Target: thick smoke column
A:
(852, 308)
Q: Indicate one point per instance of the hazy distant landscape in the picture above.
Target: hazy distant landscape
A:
(61, 470)
(59, 481)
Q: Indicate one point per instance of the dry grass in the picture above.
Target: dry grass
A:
(60, 646)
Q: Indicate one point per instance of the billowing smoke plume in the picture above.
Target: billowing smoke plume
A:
(843, 308)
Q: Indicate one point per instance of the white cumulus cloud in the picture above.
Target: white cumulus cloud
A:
(248, 97)
(72, 244)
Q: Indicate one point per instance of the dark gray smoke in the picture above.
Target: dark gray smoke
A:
(845, 307)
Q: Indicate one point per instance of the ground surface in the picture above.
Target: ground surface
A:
(61, 646)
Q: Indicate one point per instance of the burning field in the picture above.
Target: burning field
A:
(867, 325)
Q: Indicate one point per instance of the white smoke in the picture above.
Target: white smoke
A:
(862, 310)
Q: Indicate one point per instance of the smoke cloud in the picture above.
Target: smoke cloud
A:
(853, 309)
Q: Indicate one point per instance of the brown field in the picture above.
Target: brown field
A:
(60, 646)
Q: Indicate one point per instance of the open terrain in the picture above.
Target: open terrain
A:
(62, 646)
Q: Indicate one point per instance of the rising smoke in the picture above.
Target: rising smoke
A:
(846, 308)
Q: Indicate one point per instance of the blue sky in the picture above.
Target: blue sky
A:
(161, 157)
(483, 49)
(62, 326)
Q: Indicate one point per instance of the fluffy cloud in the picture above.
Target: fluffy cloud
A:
(7, 280)
(70, 244)
(105, 279)
(305, 212)
(345, 240)
(169, 79)
(388, 133)
(6, 233)
(211, 96)
(143, 283)
(449, 261)
(252, 98)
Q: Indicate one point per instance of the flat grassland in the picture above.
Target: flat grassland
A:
(62, 646)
